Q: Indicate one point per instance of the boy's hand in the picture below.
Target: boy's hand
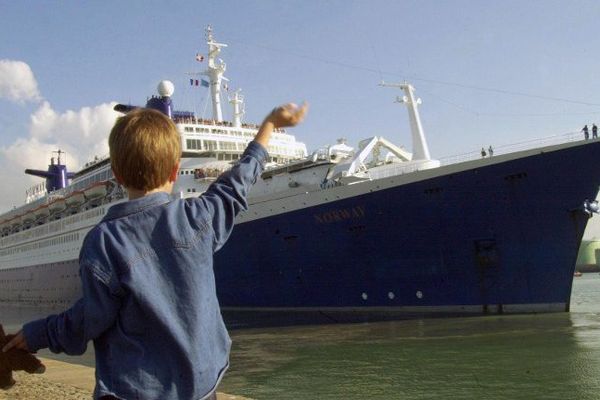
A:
(287, 115)
(17, 342)
(15, 356)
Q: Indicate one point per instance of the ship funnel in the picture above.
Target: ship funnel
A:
(163, 102)
(56, 176)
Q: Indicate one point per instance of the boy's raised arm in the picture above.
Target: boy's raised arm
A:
(283, 116)
(226, 197)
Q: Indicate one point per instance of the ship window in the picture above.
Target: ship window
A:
(193, 144)
(210, 144)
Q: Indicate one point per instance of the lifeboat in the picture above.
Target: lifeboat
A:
(57, 205)
(96, 191)
(16, 221)
(28, 218)
(75, 199)
(41, 211)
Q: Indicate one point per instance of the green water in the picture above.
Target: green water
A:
(545, 356)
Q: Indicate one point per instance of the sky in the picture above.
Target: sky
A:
(488, 72)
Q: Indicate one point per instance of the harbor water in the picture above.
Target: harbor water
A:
(542, 356)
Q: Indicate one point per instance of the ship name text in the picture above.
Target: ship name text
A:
(341, 214)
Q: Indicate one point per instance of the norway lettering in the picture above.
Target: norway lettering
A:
(340, 215)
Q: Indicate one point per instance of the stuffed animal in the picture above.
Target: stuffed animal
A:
(15, 360)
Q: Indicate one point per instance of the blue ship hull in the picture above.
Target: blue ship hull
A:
(498, 237)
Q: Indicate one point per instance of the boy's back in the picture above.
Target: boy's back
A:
(149, 293)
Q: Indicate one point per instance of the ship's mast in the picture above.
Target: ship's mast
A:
(215, 72)
(238, 109)
(420, 148)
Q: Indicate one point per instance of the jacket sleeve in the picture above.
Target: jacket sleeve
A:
(226, 197)
(70, 331)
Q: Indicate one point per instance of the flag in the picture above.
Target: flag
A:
(199, 57)
(204, 83)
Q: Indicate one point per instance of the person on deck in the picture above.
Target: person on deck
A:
(586, 133)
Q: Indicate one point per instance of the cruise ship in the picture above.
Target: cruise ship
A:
(374, 231)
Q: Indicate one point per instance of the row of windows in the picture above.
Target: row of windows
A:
(280, 133)
(228, 157)
(41, 244)
(52, 227)
(42, 266)
(98, 177)
(218, 131)
(285, 150)
(197, 144)
(95, 212)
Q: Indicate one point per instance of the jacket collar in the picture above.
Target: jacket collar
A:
(137, 205)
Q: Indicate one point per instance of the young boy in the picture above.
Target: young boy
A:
(149, 300)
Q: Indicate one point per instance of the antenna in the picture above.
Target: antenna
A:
(59, 152)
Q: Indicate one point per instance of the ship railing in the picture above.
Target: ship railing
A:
(513, 147)
(202, 121)
(35, 192)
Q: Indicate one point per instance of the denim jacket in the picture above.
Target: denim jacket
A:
(149, 299)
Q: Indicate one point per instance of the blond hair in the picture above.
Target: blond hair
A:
(144, 148)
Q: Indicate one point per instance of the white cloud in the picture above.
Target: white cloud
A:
(17, 82)
(86, 129)
(82, 134)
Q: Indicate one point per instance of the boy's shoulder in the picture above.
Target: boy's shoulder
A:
(93, 243)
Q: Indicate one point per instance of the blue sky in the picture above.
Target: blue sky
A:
(488, 72)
